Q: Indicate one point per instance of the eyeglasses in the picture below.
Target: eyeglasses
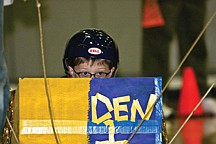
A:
(89, 75)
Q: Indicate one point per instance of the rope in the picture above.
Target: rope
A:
(173, 75)
(44, 72)
(192, 112)
(13, 132)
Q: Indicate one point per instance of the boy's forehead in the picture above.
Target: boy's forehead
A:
(90, 60)
(96, 64)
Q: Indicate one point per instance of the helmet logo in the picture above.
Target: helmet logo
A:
(94, 51)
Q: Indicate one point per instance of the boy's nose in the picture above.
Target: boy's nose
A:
(92, 76)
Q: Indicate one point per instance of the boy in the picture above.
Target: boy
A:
(91, 53)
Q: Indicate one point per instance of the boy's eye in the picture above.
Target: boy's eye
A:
(85, 74)
(100, 73)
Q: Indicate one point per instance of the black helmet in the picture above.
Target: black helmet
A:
(91, 43)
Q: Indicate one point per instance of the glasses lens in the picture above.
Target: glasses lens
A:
(100, 75)
(84, 75)
(89, 75)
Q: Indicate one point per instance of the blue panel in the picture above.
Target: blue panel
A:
(137, 89)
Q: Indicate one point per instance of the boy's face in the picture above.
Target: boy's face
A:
(91, 69)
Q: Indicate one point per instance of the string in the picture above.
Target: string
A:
(173, 75)
(44, 72)
(45, 80)
(192, 112)
(13, 132)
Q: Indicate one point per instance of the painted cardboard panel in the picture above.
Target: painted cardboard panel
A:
(95, 111)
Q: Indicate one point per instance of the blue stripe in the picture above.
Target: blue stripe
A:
(125, 127)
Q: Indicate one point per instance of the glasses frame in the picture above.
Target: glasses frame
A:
(90, 74)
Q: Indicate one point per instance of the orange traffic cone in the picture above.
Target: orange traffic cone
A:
(152, 16)
(192, 132)
(189, 94)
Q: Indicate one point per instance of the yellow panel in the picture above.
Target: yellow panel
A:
(69, 101)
